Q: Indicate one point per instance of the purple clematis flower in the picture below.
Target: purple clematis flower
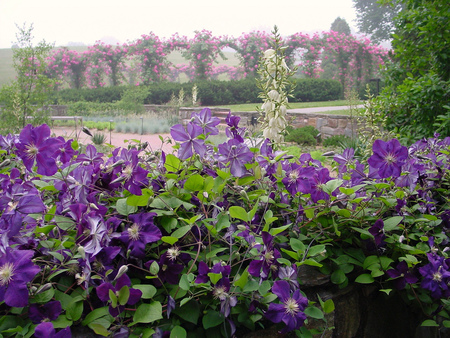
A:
(133, 175)
(401, 275)
(103, 293)
(45, 312)
(377, 230)
(141, 232)
(93, 233)
(237, 154)
(388, 158)
(298, 178)
(170, 266)
(291, 310)
(346, 159)
(234, 131)
(65, 151)
(16, 270)
(436, 276)
(35, 145)
(206, 121)
(46, 330)
(321, 176)
(189, 140)
(268, 262)
(91, 156)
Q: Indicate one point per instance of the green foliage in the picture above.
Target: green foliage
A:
(211, 93)
(306, 135)
(340, 25)
(317, 90)
(418, 78)
(376, 18)
(98, 138)
(23, 100)
(335, 140)
(133, 99)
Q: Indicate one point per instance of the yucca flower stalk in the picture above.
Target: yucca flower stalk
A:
(275, 89)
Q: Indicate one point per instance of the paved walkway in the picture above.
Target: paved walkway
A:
(319, 109)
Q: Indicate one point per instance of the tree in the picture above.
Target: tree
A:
(417, 92)
(376, 17)
(24, 99)
(341, 26)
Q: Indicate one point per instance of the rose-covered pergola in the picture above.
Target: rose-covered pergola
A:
(355, 60)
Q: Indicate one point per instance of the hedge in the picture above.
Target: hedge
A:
(209, 92)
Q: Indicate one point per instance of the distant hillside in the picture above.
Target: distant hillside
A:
(7, 71)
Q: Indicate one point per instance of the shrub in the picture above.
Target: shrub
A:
(335, 140)
(306, 135)
(309, 90)
(213, 92)
(98, 138)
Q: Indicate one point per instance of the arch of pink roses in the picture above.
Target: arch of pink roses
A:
(145, 60)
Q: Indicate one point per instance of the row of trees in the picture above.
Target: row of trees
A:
(343, 56)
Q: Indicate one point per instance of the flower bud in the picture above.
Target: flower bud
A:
(82, 252)
(122, 270)
(269, 53)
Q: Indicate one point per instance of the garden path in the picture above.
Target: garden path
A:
(116, 139)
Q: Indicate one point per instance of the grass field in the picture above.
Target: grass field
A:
(7, 73)
(294, 105)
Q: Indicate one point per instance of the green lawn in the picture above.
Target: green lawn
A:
(252, 106)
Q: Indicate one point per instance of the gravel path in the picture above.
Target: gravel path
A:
(117, 139)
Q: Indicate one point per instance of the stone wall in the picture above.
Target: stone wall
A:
(327, 124)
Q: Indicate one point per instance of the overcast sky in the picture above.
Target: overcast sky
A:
(87, 21)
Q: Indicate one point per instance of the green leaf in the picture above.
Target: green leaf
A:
(112, 298)
(264, 288)
(311, 262)
(315, 250)
(239, 213)
(124, 295)
(180, 232)
(242, 280)
(74, 310)
(328, 306)
(96, 314)
(140, 201)
(429, 322)
(276, 231)
(64, 223)
(44, 297)
(148, 313)
(297, 245)
(184, 283)
(212, 319)
(392, 223)
(371, 260)
(252, 285)
(172, 163)
(314, 312)
(99, 329)
(148, 291)
(169, 239)
(365, 278)
(214, 277)
(194, 183)
(309, 212)
(332, 185)
(189, 312)
(338, 277)
(123, 208)
(178, 332)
